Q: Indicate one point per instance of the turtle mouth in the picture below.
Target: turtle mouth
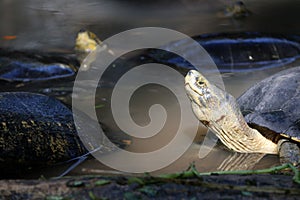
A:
(188, 90)
(194, 95)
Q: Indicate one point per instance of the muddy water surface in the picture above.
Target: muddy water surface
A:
(52, 26)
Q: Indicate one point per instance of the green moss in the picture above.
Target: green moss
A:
(55, 198)
(101, 182)
(148, 190)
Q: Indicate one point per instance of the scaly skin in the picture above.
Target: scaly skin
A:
(86, 44)
(86, 41)
(219, 111)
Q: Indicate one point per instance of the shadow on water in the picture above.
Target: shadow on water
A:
(52, 26)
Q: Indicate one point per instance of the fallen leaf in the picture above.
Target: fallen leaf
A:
(9, 37)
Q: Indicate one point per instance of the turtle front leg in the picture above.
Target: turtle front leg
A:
(289, 152)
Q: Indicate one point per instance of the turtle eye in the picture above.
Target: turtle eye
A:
(201, 83)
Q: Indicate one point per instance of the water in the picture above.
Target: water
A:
(52, 26)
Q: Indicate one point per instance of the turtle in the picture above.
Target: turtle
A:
(265, 119)
(25, 66)
(237, 10)
(38, 131)
(87, 43)
(233, 52)
(30, 65)
(34, 120)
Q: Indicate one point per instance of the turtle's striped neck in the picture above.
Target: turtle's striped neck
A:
(218, 111)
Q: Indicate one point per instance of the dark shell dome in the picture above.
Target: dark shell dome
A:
(274, 104)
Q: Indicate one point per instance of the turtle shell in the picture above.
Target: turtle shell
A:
(273, 105)
(234, 52)
(36, 129)
(36, 66)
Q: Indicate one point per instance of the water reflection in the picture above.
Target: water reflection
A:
(52, 26)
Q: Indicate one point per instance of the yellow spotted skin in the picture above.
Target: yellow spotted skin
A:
(36, 129)
(48, 142)
(271, 124)
(219, 111)
(39, 131)
(86, 41)
(86, 44)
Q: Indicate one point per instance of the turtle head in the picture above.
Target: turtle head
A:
(219, 111)
(209, 103)
(86, 41)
